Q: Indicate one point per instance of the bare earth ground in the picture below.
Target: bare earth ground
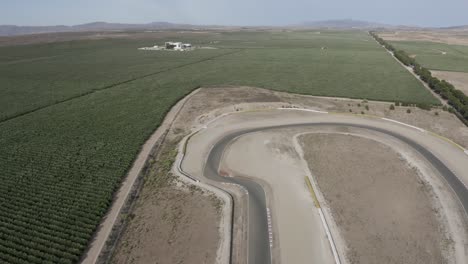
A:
(144, 239)
(458, 79)
(380, 205)
(442, 36)
(164, 228)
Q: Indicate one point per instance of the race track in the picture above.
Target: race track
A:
(259, 250)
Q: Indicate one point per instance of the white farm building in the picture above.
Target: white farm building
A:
(177, 46)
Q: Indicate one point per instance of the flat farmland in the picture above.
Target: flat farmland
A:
(436, 56)
(73, 115)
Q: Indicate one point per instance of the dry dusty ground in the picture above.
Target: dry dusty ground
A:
(442, 36)
(163, 228)
(378, 201)
(149, 234)
(458, 79)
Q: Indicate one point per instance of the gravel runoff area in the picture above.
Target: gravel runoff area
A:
(209, 103)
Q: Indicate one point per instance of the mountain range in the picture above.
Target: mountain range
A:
(13, 30)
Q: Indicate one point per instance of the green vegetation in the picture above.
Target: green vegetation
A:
(436, 56)
(456, 98)
(73, 115)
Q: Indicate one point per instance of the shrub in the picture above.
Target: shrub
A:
(408, 111)
(367, 107)
(424, 106)
(392, 107)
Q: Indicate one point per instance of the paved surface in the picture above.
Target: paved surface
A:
(258, 242)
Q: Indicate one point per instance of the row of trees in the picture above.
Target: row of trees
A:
(456, 98)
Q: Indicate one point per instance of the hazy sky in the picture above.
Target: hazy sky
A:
(233, 12)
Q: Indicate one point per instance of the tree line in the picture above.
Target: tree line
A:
(455, 98)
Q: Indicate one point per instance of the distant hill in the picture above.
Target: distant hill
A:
(344, 24)
(11, 30)
(457, 28)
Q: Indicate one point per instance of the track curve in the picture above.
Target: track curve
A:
(259, 250)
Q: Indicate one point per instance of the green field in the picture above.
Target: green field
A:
(431, 55)
(73, 115)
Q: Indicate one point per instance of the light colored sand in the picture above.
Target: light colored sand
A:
(458, 79)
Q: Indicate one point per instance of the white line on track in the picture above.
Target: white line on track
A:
(270, 229)
(404, 124)
(304, 109)
(330, 238)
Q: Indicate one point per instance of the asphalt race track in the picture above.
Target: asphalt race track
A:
(258, 241)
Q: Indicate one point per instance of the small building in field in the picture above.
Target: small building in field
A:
(178, 46)
(174, 45)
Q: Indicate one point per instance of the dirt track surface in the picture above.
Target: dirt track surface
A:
(379, 202)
